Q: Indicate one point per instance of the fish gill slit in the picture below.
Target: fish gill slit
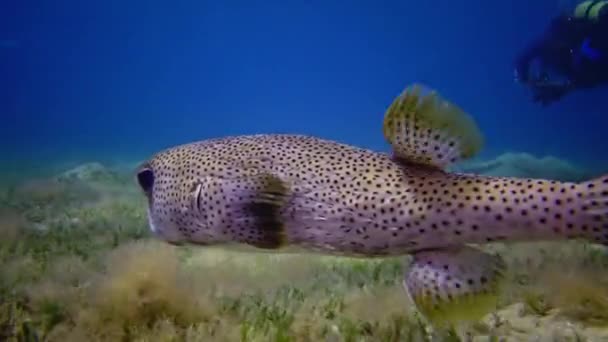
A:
(197, 196)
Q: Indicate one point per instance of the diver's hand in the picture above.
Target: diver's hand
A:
(519, 76)
(548, 93)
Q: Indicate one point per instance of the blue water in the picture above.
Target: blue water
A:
(114, 80)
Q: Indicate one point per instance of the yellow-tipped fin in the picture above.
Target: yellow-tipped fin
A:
(426, 129)
(451, 286)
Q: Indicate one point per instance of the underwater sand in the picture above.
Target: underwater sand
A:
(77, 263)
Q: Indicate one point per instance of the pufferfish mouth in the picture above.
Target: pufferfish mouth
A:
(160, 233)
(151, 224)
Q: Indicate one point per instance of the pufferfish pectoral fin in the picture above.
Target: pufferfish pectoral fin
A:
(454, 285)
(245, 209)
(269, 197)
(423, 128)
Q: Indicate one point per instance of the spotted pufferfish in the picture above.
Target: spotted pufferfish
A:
(271, 191)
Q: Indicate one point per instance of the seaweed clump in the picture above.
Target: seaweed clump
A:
(77, 263)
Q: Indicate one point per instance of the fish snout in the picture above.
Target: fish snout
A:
(164, 230)
(161, 226)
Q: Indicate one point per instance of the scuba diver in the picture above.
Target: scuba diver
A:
(571, 55)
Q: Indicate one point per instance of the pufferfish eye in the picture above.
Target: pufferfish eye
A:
(145, 178)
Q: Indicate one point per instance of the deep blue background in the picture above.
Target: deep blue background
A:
(121, 79)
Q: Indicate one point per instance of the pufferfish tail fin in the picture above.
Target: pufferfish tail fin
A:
(423, 128)
(455, 285)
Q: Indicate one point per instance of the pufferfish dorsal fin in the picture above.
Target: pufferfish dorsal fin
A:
(423, 128)
(455, 285)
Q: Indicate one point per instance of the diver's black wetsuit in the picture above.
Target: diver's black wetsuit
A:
(562, 48)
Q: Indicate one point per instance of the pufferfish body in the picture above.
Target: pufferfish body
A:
(276, 190)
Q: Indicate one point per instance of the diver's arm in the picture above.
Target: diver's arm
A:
(562, 28)
(535, 49)
(549, 93)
